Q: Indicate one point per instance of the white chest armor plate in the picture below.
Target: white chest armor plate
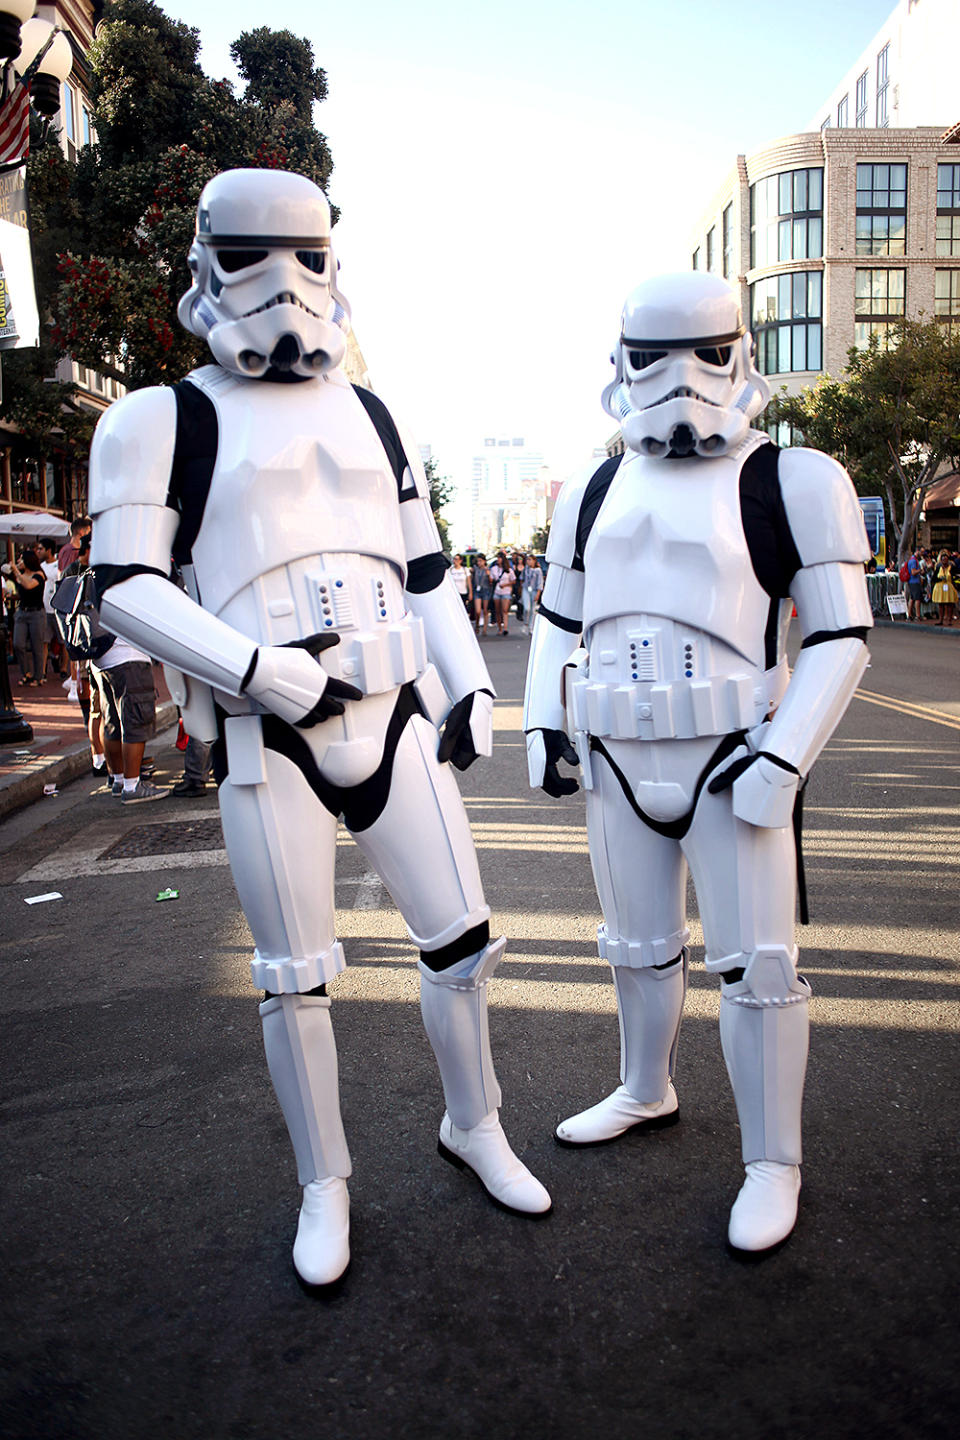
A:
(674, 616)
(301, 531)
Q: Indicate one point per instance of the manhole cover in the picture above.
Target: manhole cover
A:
(168, 839)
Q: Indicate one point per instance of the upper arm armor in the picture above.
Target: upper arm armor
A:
(822, 510)
(132, 453)
(562, 542)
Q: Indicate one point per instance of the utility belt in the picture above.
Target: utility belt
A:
(668, 710)
(375, 661)
(381, 659)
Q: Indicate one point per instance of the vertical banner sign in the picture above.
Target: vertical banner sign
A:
(19, 319)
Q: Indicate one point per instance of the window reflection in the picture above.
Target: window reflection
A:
(948, 211)
(786, 312)
(879, 305)
(881, 209)
(946, 304)
(786, 217)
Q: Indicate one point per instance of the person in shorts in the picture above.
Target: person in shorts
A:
(124, 678)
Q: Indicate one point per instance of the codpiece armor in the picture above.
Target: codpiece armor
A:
(320, 644)
(658, 664)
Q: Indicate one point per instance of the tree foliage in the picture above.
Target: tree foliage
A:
(893, 419)
(111, 232)
(441, 490)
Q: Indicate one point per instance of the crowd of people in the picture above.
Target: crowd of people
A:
(512, 582)
(932, 581)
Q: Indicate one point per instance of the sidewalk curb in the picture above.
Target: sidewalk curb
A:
(22, 789)
(924, 625)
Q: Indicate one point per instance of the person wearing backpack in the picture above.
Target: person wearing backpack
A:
(121, 708)
(128, 705)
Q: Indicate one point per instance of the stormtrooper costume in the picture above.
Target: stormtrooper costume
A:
(679, 564)
(320, 644)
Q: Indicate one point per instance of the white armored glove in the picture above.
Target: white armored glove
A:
(468, 732)
(545, 749)
(764, 789)
(290, 681)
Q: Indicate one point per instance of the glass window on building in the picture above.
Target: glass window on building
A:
(948, 236)
(878, 306)
(696, 258)
(825, 124)
(881, 209)
(946, 303)
(786, 217)
(862, 102)
(69, 112)
(786, 315)
(948, 187)
(780, 432)
(843, 115)
(52, 491)
(883, 87)
(727, 235)
(69, 105)
(948, 211)
(27, 486)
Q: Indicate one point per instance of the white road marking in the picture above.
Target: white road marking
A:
(370, 892)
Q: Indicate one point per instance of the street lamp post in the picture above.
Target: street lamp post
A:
(45, 60)
(13, 14)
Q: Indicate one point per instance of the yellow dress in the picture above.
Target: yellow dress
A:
(944, 591)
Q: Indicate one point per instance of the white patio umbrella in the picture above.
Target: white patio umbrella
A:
(35, 525)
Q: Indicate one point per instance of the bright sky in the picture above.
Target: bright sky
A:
(508, 170)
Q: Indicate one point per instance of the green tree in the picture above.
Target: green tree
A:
(892, 419)
(441, 490)
(539, 538)
(111, 232)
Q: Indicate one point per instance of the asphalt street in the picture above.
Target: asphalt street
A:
(150, 1197)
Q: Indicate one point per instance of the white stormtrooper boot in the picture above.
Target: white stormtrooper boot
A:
(764, 1031)
(302, 1059)
(453, 1003)
(650, 1008)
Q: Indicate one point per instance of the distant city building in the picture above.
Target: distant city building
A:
(509, 485)
(354, 365)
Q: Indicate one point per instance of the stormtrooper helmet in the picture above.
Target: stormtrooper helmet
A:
(264, 293)
(685, 382)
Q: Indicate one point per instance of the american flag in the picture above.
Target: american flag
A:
(15, 126)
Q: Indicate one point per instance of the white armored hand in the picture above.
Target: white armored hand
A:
(545, 749)
(764, 789)
(468, 732)
(290, 681)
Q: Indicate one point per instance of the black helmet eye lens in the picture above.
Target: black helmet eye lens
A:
(716, 355)
(233, 260)
(640, 359)
(315, 260)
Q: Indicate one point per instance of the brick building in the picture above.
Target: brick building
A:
(833, 236)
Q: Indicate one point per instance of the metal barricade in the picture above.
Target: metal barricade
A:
(879, 587)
